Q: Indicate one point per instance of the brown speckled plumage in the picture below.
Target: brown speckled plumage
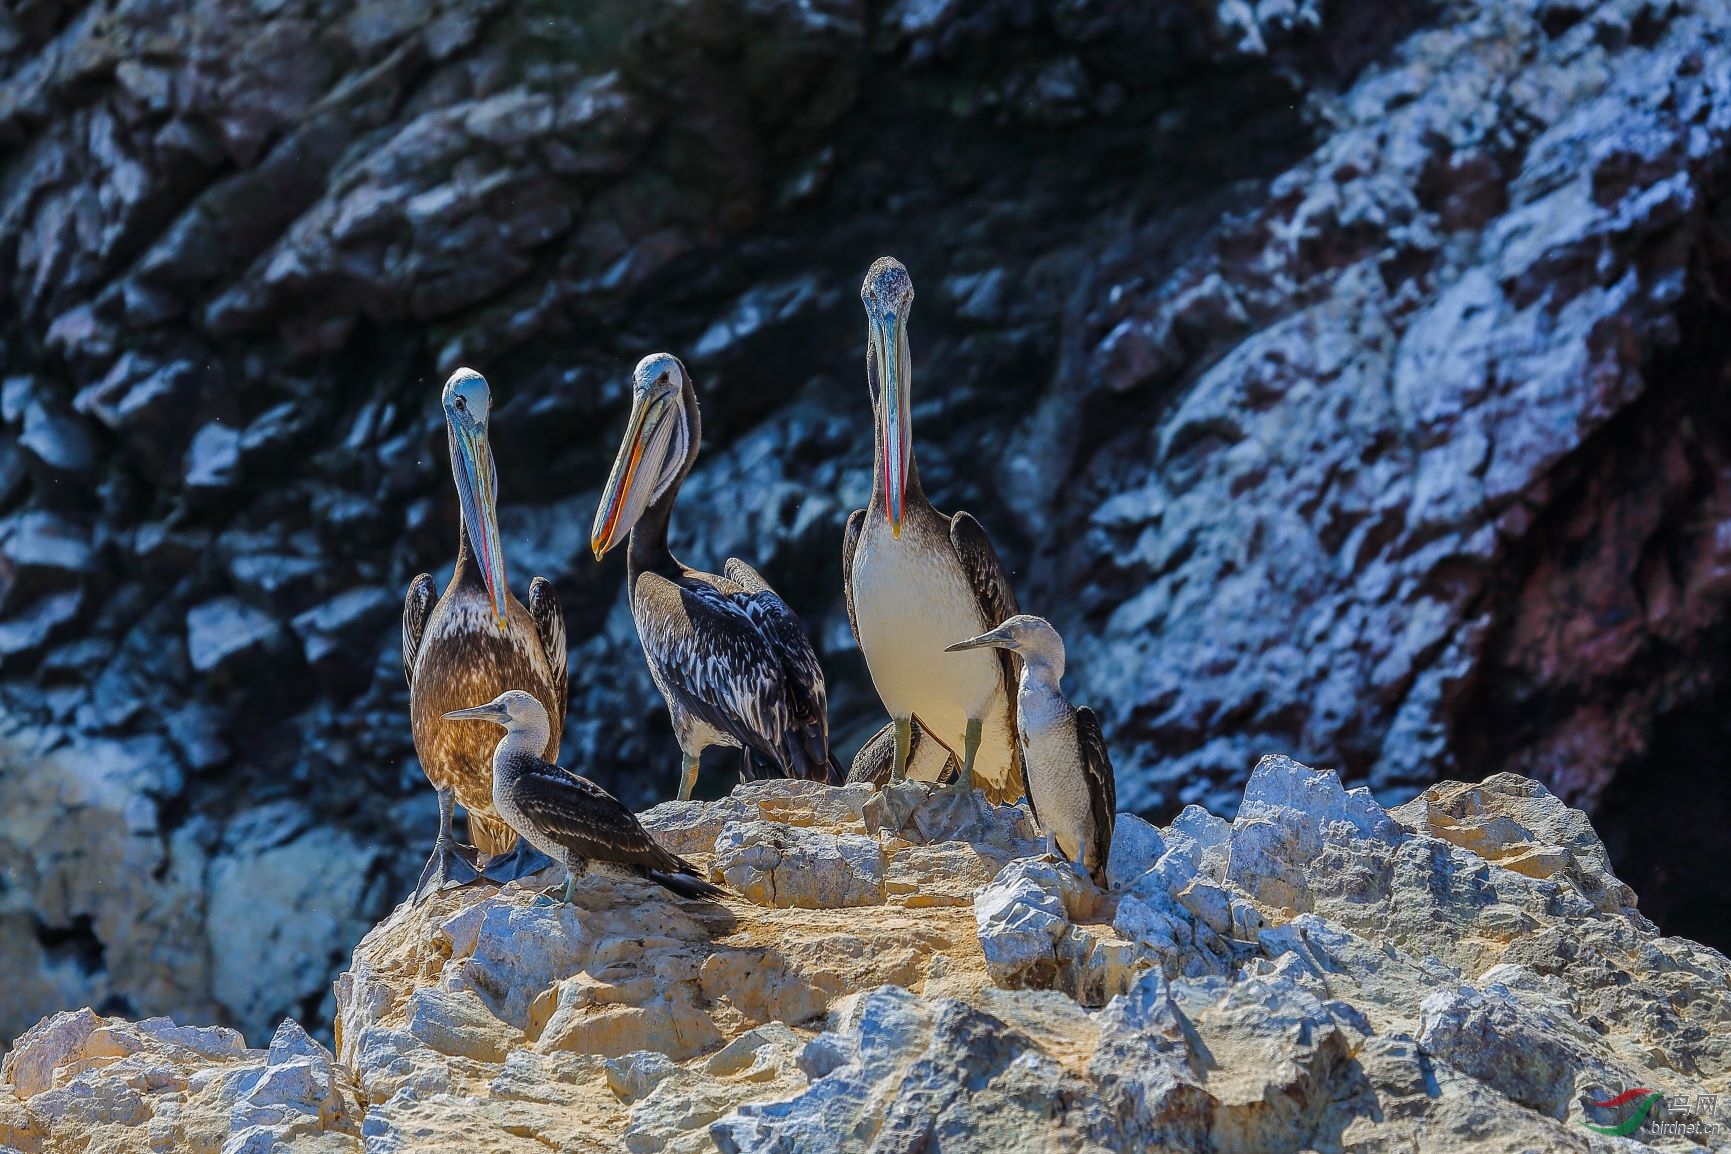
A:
(456, 657)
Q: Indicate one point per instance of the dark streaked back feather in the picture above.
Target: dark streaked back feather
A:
(802, 675)
(417, 606)
(549, 620)
(1102, 786)
(876, 758)
(707, 641)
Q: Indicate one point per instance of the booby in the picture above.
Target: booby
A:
(1070, 786)
(728, 655)
(569, 818)
(476, 641)
(915, 577)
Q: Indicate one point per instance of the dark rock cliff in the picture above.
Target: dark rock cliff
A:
(1345, 380)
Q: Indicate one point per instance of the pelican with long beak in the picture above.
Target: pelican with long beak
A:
(1070, 785)
(569, 818)
(916, 577)
(476, 641)
(729, 656)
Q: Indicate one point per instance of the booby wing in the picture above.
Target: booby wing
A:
(711, 655)
(549, 620)
(850, 542)
(587, 820)
(417, 607)
(1102, 787)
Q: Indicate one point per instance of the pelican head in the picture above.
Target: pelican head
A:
(653, 453)
(1030, 637)
(512, 709)
(468, 403)
(888, 295)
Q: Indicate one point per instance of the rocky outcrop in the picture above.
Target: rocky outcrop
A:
(1341, 378)
(1461, 973)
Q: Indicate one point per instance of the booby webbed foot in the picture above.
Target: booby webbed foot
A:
(523, 860)
(546, 898)
(451, 865)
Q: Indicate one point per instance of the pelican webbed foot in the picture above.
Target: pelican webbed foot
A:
(451, 864)
(523, 861)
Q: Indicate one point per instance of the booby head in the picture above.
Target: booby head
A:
(655, 449)
(1031, 638)
(888, 296)
(513, 709)
(468, 404)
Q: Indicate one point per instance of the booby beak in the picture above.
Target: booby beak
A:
(477, 488)
(995, 639)
(895, 405)
(627, 493)
(492, 711)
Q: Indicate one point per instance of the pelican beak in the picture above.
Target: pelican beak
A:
(895, 404)
(626, 494)
(492, 711)
(995, 639)
(477, 488)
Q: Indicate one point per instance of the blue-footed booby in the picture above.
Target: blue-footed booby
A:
(1070, 785)
(569, 818)
(728, 655)
(472, 642)
(916, 577)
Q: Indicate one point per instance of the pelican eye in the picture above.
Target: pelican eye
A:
(461, 403)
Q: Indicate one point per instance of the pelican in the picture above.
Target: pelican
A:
(915, 577)
(475, 641)
(729, 656)
(927, 760)
(1070, 786)
(569, 818)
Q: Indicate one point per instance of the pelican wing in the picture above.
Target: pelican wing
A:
(587, 820)
(985, 571)
(708, 652)
(1102, 787)
(417, 607)
(549, 621)
(850, 542)
(807, 699)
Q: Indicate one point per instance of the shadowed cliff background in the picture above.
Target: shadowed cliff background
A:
(1345, 380)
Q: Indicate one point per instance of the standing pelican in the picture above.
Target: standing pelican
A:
(473, 642)
(727, 653)
(569, 818)
(1070, 786)
(915, 577)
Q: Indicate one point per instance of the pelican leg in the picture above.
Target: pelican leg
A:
(450, 864)
(687, 778)
(970, 747)
(904, 743)
(523, 860)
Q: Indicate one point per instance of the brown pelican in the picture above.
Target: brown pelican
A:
(1070, 785)
(569, 818)
(475, 641)
(916, 577)
(727, 653)
(927, 760)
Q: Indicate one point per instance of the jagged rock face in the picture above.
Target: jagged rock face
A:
(1462, 973)
(1343, 379)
